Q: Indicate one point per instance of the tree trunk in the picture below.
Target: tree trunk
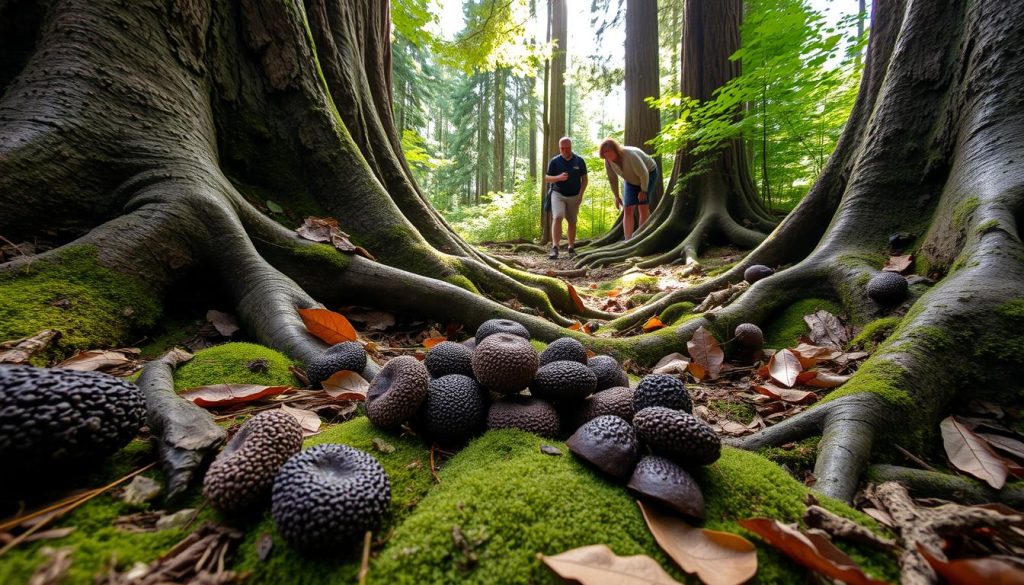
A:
(642, 121)
(554, 110)
(498, 174)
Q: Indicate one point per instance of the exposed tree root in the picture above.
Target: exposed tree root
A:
(931, 484)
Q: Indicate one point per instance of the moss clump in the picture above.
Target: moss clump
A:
(73, 293)
(322, 253)
(963, 212)
(678, 313)
(800, 455)
(786, 329)
(738, 411)
(235, 363)
(462, 282)
(882, 377)
(875, 332)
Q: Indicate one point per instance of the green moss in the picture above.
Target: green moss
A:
(89, 304)
(462, 282)
(992, 224)
(738, 411)
(678, 313)
(538, 345)
(875, 332)
(786, 329)
(1012, 310)
(963, 212)
(638, 299)
(800, 455)
(878, 376)
(323, 253)
(636, 280)
(229, 364)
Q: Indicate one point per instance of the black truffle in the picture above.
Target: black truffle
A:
(55, 416)
(455, 409)
(608, 443)
(563, 380)
(524, 413)
(348, 355)
(608, 371)
(617, 401)
(757, 272)
(492, 326)
(749, 336)
(564, 349)
(449, 357)
(240, 478)
(328, 496)
(396, 393)
(682, 437)
(662, 390)
(664, 482)
(887, 288)
(504, 363)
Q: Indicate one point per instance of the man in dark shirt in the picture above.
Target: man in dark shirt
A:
(567, 174)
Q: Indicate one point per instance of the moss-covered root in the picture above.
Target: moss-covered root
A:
(932, 484)
(185, 435)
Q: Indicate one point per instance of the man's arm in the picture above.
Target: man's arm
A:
(583, 186)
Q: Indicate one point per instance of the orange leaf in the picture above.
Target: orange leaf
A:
(576, 300)
(307, 419)
(327, 325)
(898, 263)
(432, 341)
(824, 379)
(971, 454)
(614, 292)
(973, 571)
(697, 370)
(784, 367)
(653, 324)
(706, 352)
(597, 564)
(218, 395)
(576, 326)
(786, 394)
(346, 385)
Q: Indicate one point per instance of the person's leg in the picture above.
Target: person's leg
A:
(572, 211)
(557, 213)
(627, 221)
(556, 232)
(630, 200)
(645, 212)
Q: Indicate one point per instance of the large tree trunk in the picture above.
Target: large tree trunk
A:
(554, 102)
(642, 71)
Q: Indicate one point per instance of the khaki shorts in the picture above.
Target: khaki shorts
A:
(567, 207)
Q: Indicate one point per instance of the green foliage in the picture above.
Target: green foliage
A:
(233, 363)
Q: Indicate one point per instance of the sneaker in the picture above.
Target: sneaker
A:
(554, 254)
(572, 252)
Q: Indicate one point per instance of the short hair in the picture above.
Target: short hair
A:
(610, 144)
(564, 139)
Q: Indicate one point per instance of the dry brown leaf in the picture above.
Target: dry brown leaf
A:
(825, 379)
(826, 560)
(706, 352)
(325, 229)
(653, 324)
(717, 558)
(598, 565)
(827, 330)
(810, 354)
(898, 264)
(224, 323)
(98, 359)
(218, 395)
(432, 341)
(673, 363)
(971, 454)
(786, 394)
(327, 325)
(374, 320)
(576, 300)
(346, 385)
(308, 420)
(1005, 444)
(614, 292)
(784, 367)
(973, 571)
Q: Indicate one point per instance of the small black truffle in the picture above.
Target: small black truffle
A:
(662, 390)
(455, 409)
(664, 482)
(524, 413)
(617, 401)
(608, 371)
(749, 336)
(608, 443)
(328, 496)
(504, 363)
(682, 437)
(887, 288)
(563, 380)
(492, 326)
(449, 357)
(347, 355)
(397, 391)
(564, 349)
(757, 272)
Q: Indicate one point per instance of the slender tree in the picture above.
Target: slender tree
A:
(554, 111)
(642, 74)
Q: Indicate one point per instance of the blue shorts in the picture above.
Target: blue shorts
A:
(631, 192)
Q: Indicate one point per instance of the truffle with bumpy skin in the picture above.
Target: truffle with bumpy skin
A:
(562, 380)
(347, 355)
(524, 413)
(617, 401)
(455, 409)
(749, 335)
(397, 391)
(608, 443)
(240, 478)
(757, 272)
(328, 496)
(564, 349)
(55, 416)
(449, 357)
(678, 435)
(504, 363)
(492, 326)
(608, 371)
(887, 288)
(662, 390)
(658, 479)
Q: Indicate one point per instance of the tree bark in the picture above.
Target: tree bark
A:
(554, 110)
(642, 121)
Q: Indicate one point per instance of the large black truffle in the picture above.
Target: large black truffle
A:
(887, 288)
(492, 326)
(240, 478)
(564, 349)
(328, 496)
(662, 390)
(455, 410)
(347, 355)
(664, 482)
(608, 371)
(757, 272)
(524, 413)
(749, 336)
(449, 357)
(55, 416)
(678, 435)
(608, 443)
(563, 380)
(397, 391)
(504, 363)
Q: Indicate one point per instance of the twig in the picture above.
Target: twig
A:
(7, 526)
(914, 458)
(364, 565)
(13, 245)
(433, 469)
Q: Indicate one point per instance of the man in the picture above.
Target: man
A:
(567, 175)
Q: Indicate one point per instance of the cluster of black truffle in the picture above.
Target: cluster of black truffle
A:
(659, 418)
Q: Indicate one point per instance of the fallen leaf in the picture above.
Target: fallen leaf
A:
(810, 354)
(550, 450)
(717, 558)
(898, 264)
(374, 320)
(825, 379)
(598, 565)
(673, 363)
(576, 326)
(971, 454)
(827, 330)
(308, 420)
(786, 394)
(218, 395)
(264, 545)
(325, 229)
(826, 560)
(327, 325)
(696, 370)
(432, 341)
(346, 385)
(97, 359)
(706, 352)
(973, 571)
(784, 367)
(733, 428)
(224, 323)
(1005, 444)
(576, 300)
(614, 292)
(653, 324)
(274, 207)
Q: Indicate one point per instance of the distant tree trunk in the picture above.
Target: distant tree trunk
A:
(531, 96)
(498, 152)
(642, 72)
(483, 122)
(554, 127)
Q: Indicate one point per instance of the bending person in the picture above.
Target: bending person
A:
(640, 174)
(567, 174)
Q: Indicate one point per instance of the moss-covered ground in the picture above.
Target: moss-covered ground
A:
(787, 327)
(235, 363)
